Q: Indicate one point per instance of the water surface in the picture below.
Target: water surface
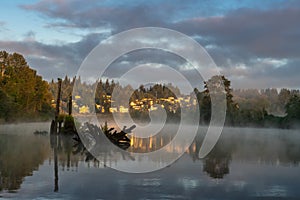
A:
(246, 163)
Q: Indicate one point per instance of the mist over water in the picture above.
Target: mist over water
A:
(246, 163)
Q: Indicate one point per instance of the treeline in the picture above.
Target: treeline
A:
(259, 108)
(269, 107)
(251, 107)
(272, 100)
(84, 91)
(105, 89)
(23, 94)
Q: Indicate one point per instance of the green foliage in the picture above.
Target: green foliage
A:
(6, 104)
(293, 107)
(251, 107)
(216, 85)
(69, 125)
(292, 118)
(24, 94)
(156, 94)
(269, 99)
(251, 117)
(103, 96)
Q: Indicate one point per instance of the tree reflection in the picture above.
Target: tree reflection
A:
(216, 164)
(19, 157)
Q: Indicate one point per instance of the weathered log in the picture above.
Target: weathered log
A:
(92, 131)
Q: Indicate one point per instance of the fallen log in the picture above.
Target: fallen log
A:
(93, 134)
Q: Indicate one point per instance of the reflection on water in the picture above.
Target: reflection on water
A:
(154, 142)
(19, 157)
(245, 163)
(216, 164)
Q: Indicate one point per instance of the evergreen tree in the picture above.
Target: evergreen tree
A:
(293, 111)
(24, 93)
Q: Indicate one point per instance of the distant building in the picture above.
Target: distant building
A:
(84, 109)
(113, 109)
(122, 109)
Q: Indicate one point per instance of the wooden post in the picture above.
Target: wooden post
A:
(57, 103)
(54, 146)
(70, 105)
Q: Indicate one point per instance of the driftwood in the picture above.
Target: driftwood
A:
(118, 138)
(93, 134)
(40, 132)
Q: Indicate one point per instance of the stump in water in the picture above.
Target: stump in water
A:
(69, 125)
(93, 134)
(118, 138)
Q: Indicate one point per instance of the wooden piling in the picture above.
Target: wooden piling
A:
(57, 103)
(70, 104)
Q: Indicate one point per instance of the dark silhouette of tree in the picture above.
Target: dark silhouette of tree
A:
(293, 111)
(217, 85)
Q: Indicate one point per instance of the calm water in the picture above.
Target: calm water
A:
(245, 164)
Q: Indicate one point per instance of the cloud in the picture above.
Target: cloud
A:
(263, 33)
(155, 59)
(3, 26)
(263, 73)
(30, 36)
(89, 14)
(53, 60)
(272, 32)
(255, 44)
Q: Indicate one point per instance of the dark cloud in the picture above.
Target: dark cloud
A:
(158, 58)
(89, 14)
(288, 71)
(265, 73)
(52, 60)
(269, 33)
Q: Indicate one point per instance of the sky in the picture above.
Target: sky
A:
(255, 44)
